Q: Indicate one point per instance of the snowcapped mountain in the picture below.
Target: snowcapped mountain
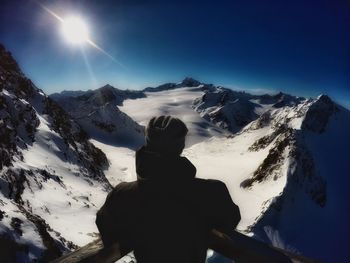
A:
(233, 110)
(187, 82)
(176, 102)
(284, 159)
(51, 176)
(310, 215)
(98, 114)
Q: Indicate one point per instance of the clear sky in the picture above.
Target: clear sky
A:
(297, 46)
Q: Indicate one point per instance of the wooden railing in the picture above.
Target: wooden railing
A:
(240, 248)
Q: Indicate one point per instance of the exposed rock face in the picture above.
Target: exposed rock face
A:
(18, 120)
(270, 168)
(266, 140)
(30, 123)
(264, 120)
(18, 123)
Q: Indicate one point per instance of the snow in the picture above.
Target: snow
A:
(97, 112)
(178, 103)
(322, 232)
(69, 208)
(29, 235)
(214, 155)
(122, 163)
(301, 224)
(229, 161)
(68, 197)
(217, 158)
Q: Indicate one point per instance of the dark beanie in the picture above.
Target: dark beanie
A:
(166, 134)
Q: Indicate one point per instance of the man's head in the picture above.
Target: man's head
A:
(166, 135)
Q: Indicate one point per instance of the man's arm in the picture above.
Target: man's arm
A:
(113, 227)
(227, 212)
(104, 221)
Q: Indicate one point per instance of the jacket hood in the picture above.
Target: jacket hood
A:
(151, 165)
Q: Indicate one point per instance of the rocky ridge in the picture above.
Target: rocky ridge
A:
(24, 110)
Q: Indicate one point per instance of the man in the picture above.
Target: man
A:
(167, 214)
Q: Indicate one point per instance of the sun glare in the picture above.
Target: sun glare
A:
(75, 30)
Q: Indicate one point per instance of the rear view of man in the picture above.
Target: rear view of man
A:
(167, 214)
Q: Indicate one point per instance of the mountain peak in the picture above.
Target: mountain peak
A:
(324, 99)
(107, 86)
(190, 82)
(7, 62)
(319, 113)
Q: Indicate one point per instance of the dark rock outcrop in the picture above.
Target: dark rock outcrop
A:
(317, 116)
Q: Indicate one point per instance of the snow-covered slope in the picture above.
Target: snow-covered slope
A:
(176, 102)
(233, 110)
(98, 114)
(286, 167)
(311, 214)
(51, 176)
(284, 159)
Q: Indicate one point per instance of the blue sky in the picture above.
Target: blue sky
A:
(299, 47)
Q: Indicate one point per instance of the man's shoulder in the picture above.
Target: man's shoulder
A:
(211, 185)
(126, 185)
(123, 193)
(125, 188)
(209, 182)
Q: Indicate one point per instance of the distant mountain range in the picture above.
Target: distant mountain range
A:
(284, 158)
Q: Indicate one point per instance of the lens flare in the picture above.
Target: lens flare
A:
(75, 30)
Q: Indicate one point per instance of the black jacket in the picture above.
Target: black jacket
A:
(167, 214)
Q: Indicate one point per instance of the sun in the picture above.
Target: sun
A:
(75, 30)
